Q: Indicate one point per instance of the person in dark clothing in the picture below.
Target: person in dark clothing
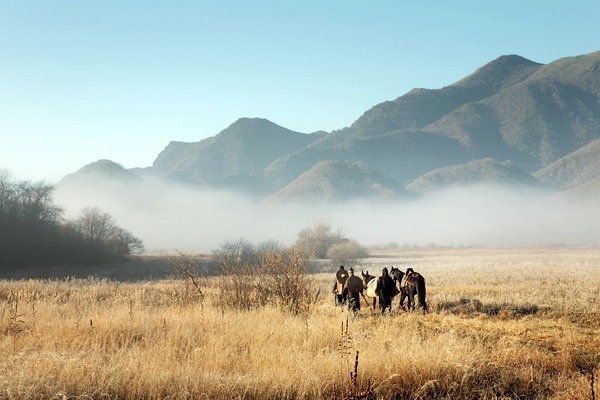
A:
(338, 286)
(353, 288)
(385, 286)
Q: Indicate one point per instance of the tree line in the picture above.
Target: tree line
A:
(34, 232)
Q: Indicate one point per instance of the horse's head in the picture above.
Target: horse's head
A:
(396, 274)
(366, 277)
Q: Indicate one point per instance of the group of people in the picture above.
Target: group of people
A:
(348, 288)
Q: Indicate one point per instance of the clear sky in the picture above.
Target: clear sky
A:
(84, 80)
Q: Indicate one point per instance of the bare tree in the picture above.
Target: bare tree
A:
(94, 225)
(186, 268)
(29, 223)
(36, 202)
(103, 239)
(7, 193)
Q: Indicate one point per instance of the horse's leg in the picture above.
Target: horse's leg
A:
(402, 298)
(411, 298)
(421, 294)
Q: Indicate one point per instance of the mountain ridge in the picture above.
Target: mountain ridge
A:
(339, 181)
(477, 172)
(511, 108)
(243, 147)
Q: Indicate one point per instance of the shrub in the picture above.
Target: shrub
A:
(287, 280)
(314, 241)
(348, 253)
(238, 263)
(253, 277)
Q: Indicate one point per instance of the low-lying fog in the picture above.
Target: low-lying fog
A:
(175, 218)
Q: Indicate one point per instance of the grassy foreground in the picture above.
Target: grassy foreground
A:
(503, 324)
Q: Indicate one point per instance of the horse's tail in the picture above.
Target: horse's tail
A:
(421, 292)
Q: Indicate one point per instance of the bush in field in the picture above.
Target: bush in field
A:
(253, 277)
(287, 280)
(348, 253)
(238, 263)
(314, 241)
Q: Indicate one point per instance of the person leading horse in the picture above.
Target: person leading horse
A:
(386, 287)
(338, 286)
(353, 289)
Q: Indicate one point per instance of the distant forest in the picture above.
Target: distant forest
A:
(34, 232)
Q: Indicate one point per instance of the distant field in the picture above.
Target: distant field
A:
(503, 324)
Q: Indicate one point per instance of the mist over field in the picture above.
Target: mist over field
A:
(169, 218)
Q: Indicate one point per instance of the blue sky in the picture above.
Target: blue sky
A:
(87, 80)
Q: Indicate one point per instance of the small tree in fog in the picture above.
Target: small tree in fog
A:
(236, 256)
(347, 253)
(269, 246)
(315, 240)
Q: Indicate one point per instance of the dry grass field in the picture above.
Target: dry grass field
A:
(503, 324)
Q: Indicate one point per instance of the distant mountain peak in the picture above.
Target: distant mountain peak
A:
(504, 70)
(508, 61)
(102, 166)
(421, 107)
(246, 122)
(245, 147)
(338, 181)
(100, 170)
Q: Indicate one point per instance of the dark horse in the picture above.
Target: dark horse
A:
(412, 284)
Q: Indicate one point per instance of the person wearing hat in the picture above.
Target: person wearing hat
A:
(338, 286)
(353, 288)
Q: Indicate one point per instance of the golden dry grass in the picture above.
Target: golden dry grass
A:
(503, 324)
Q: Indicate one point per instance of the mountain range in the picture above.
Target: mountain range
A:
(512, 122)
